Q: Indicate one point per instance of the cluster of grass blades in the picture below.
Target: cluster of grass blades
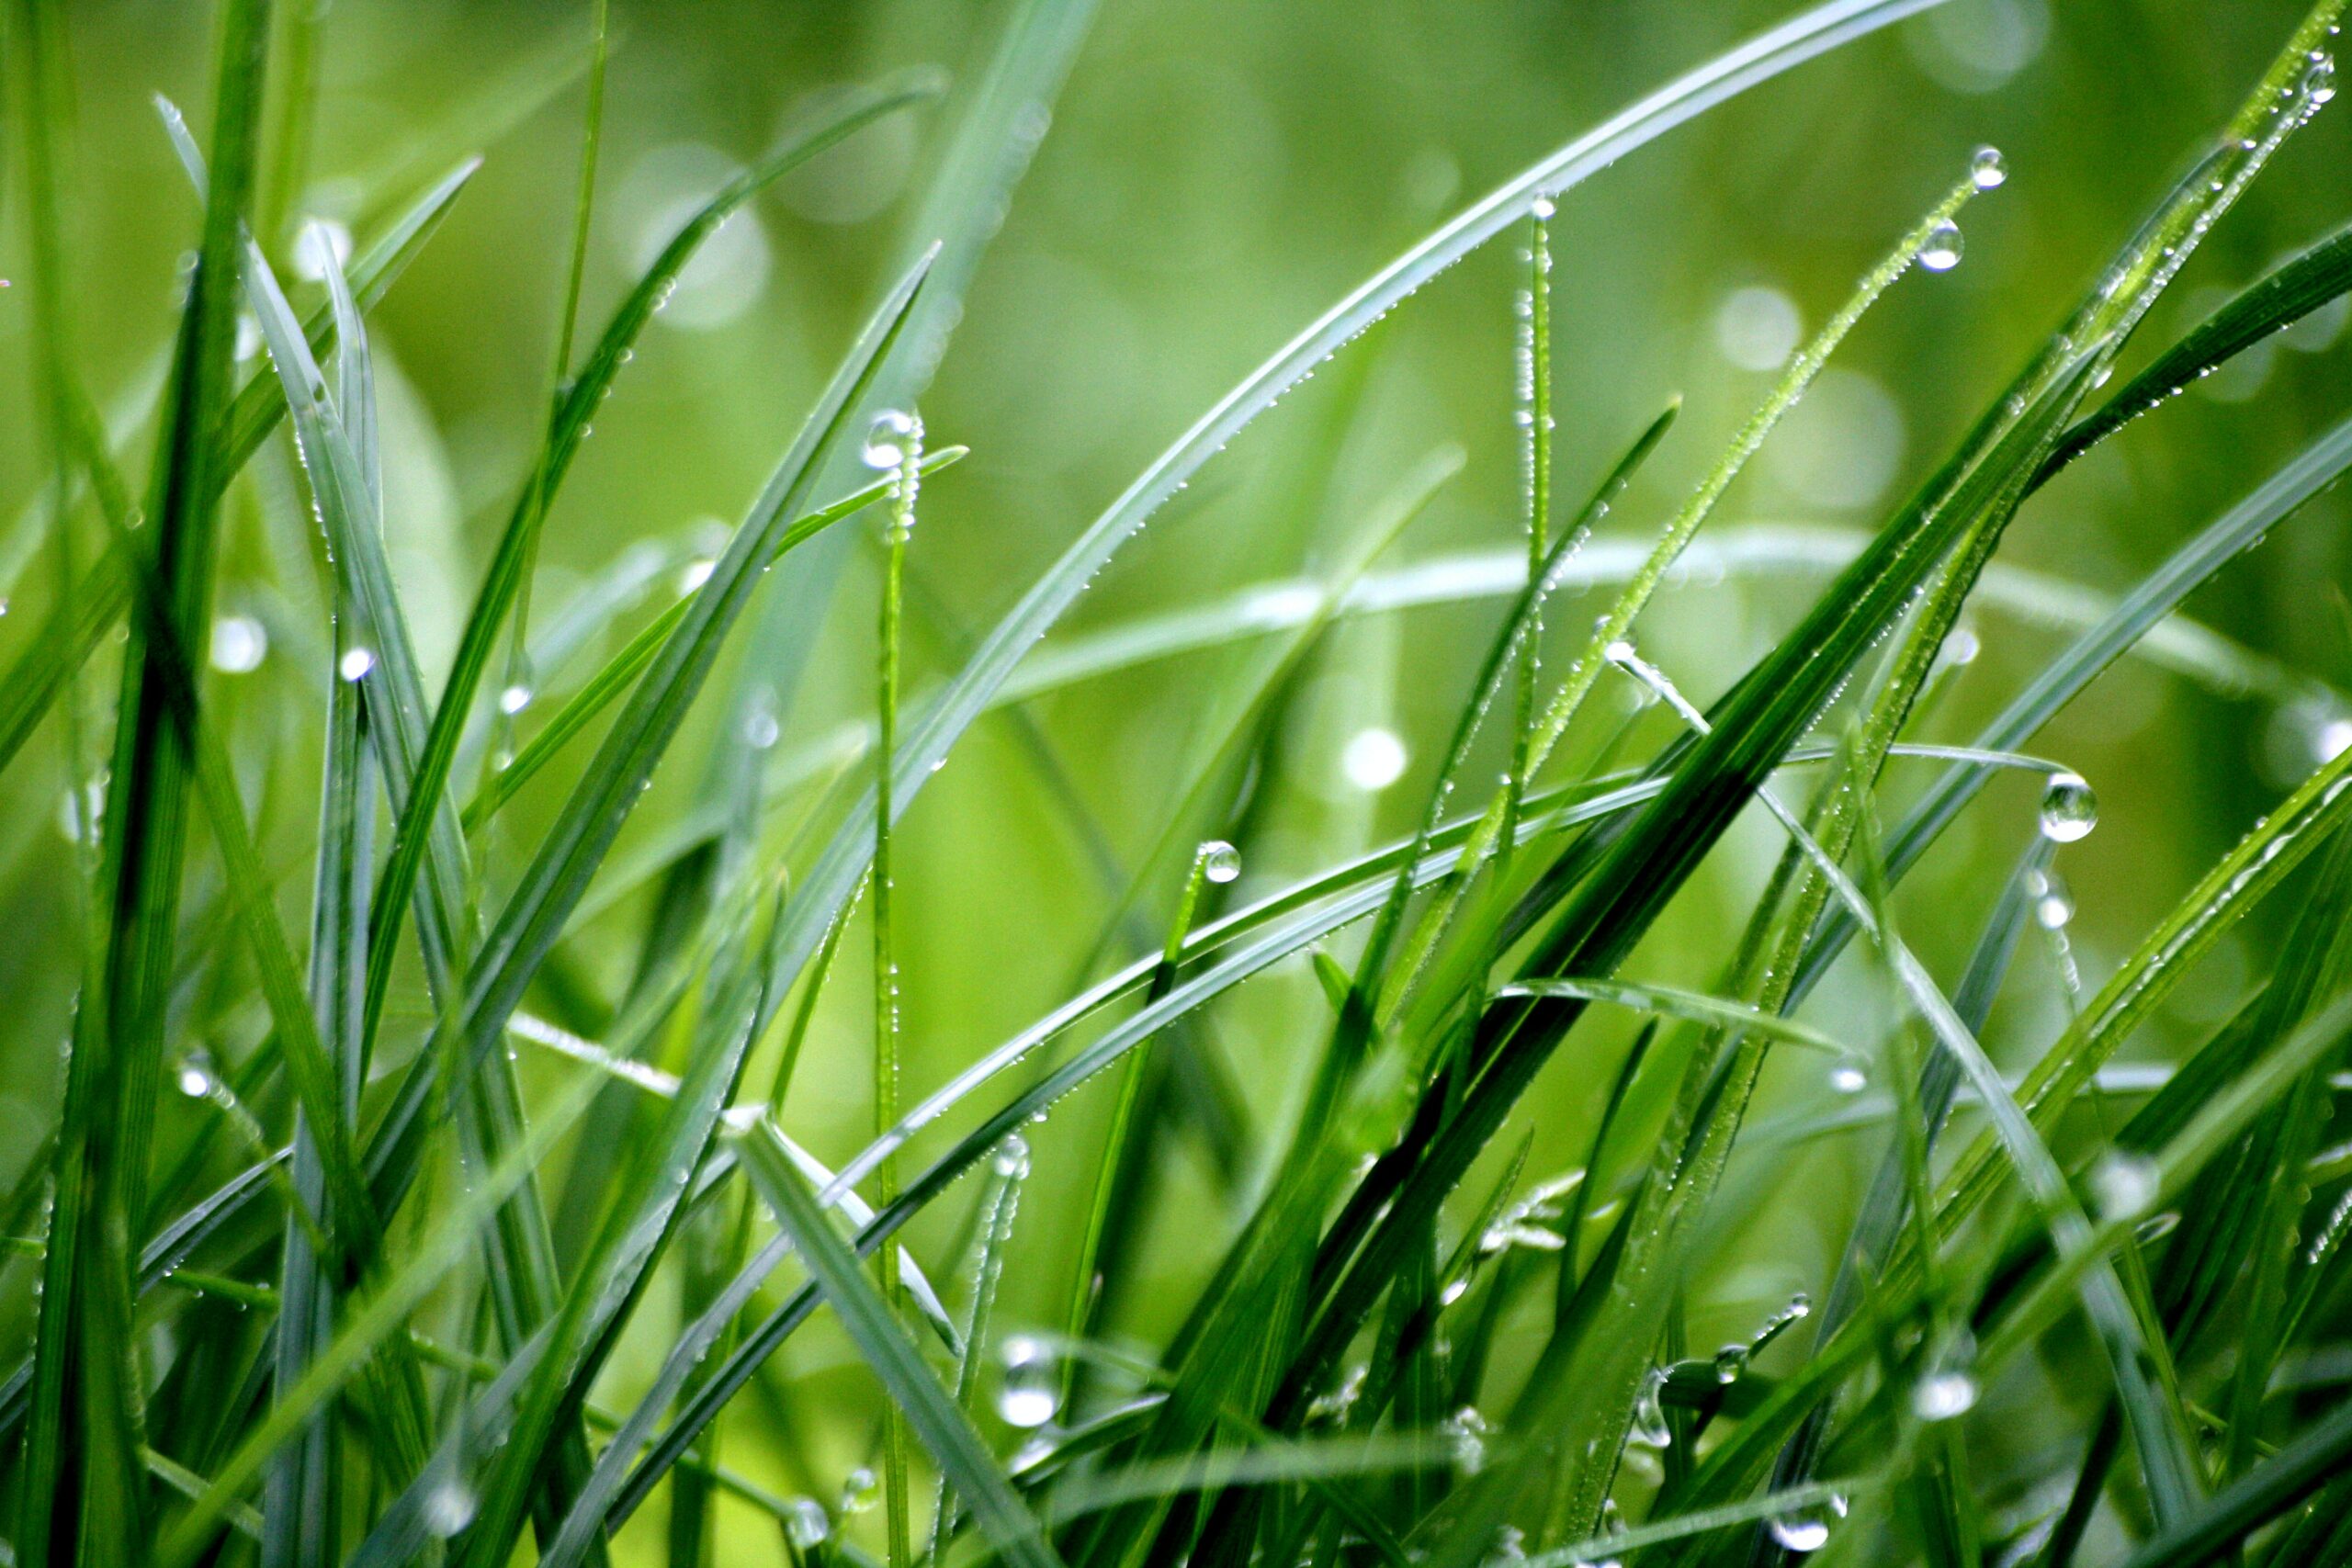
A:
(365, 1313)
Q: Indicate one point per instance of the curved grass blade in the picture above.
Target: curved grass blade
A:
(90, 610)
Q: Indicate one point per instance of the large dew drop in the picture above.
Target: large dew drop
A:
(1940, 251)
(356, 664)
(1031, 1389)
(805, 1524)
(1801, 1532)
(1012, 1157)
(886, 441)
(1220, 862)
(1988, 169)
(2069, 809)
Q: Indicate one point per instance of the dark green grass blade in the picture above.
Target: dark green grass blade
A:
(91, 609)
(2273, 302)
(81, 1476)
(909, 1380)
(2314, 1459)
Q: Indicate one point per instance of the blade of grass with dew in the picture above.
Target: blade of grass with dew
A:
(379, 1315)
(2011, 444)
(85, 615)
(834, 1266)
(81, 1479)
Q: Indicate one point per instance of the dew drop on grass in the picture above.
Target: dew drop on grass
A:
(2319, 81)
(1847, 1078)
(1730, 1362)
(514, 699)
(1988, 169)
(1940, 1397)
(196, 1079)
(1649, 1429)
(1220, 862)
(448, 1507)
(1030, 1390)
(1012, 1157)
(1805, 1531)
(805, 1524)
(356, 664)
(2126, 1185)
(2053, 906)
(886, 440)
(861, 1489)
(2069, 809)
(1940, 251)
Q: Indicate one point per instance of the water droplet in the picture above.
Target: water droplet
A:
(886, 440)
(514, 699)
(2126, 1185)
(1940, 251)
(320, 239)
(1805, 1531)
(1730, 1362)
(1847, 1078)
(355, 664)
(1012, 1157)
(695, 574)
(1542, 208)
(805, 1524)
(2053, 906)
(1220, 862)
(239, 643)
(2330, 738)
(1031, 1387)
(1989, 168)
(760, 731)
(1939, 1396)
(2069, 809)
(1374, 758)
(861, 1489)
(195, 1078)
(448, 1507)
(1648, 1428)
(2319, 81)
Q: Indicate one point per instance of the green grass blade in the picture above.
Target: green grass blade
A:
(911, 1385)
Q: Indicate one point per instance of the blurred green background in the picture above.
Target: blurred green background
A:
(1215, 174)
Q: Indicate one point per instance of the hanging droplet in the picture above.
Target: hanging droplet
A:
(448, 1507)
(1847, 1078)
(886, 440)
(2053, 906)
(356, 664)
(1940, 1397)
(1542, 207)
(1730, 1362)
(860, 1490)
(1012, 1157)
(1220, 862)
(2126, 1185)
(2319, 81)
(1989, 168)
(805, 1524)
(514, 699)
(2069, 809)
(1940, 251)
(196, 1079)
(760, 731)
(1648, 1428)
(1030, 1390)
(1805, 1531)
